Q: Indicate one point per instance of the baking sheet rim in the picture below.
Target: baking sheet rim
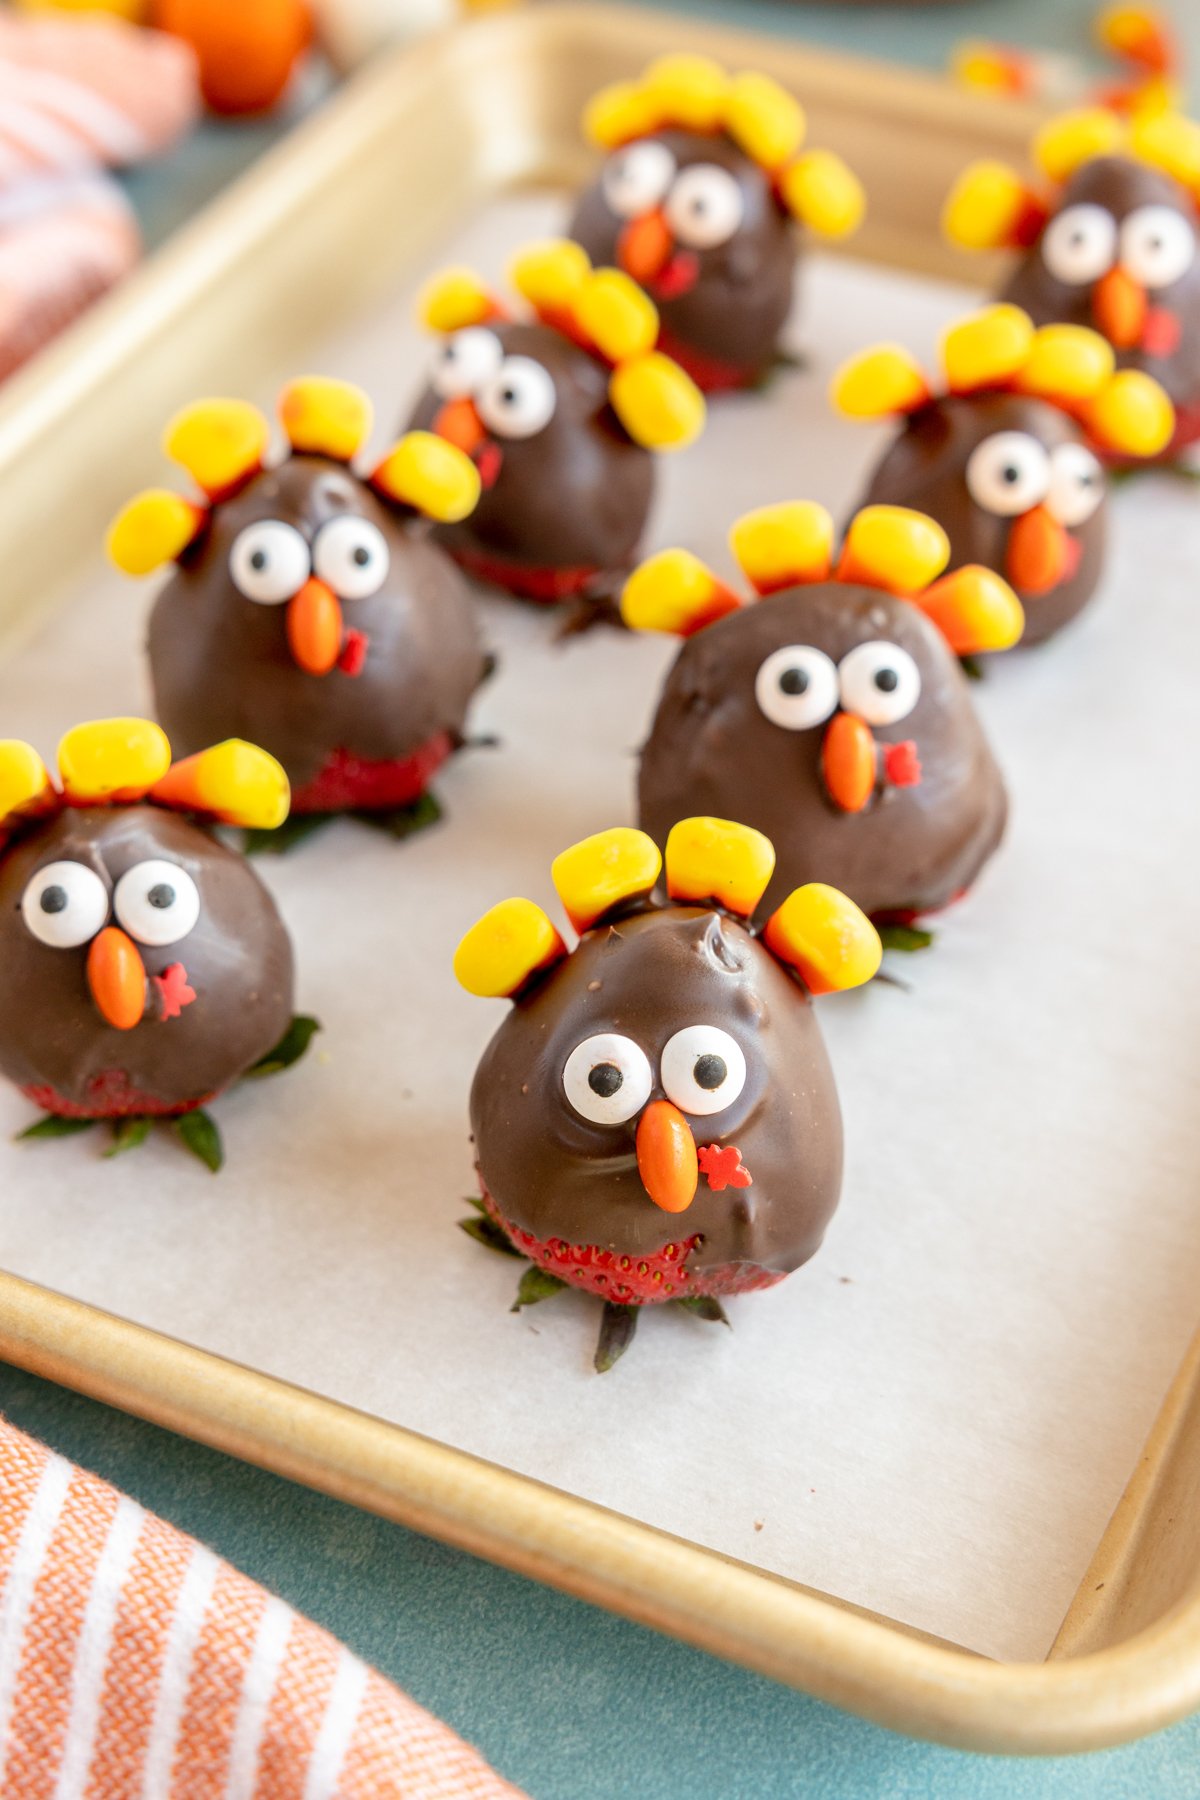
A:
(747, 1616)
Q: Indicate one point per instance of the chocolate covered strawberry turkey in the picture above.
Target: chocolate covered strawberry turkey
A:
(308, 609)
(562, 410)
(656, 1120)
(143, 965)
(832, 714)
(705, 185)
(1002, 458)
(1107, 238)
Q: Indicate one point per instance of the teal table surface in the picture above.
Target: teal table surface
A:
(566, 1701)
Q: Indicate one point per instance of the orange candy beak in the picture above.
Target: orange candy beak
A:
(1119, 307)
(666, 1157)
(314, 627)
(117, 978)
(460, 425)
(848, 762)
(1039, 552)
(644, 247)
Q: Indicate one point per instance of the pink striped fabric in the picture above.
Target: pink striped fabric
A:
(80, 90)
(136, 1665)
(77, 94)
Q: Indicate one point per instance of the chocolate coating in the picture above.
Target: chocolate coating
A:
(648, 976)
(1121, 186)
(238, 959)
(221, 665)
(574, 495)
(926, 467)
(712, 750)
(735, 309)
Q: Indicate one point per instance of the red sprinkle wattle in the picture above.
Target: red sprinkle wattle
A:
(350, 783)
(644, 1280)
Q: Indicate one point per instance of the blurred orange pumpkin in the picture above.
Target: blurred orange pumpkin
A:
(247, 49)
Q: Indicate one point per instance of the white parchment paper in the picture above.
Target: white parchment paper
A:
(936, 1417)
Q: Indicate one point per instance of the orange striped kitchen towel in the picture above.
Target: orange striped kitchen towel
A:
(136, 1665)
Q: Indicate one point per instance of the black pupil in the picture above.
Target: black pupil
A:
(258, 559)
(162, 896)
(509, 395)
(1010, 473)
(794, 681)
(887, 680)
(54, 899)
(605, 1079)
(710, 1072)
(361, 555)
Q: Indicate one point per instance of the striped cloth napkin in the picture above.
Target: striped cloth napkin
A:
(77, 95)
(136, 1665)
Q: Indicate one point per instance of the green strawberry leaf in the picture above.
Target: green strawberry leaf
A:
(197, 1133)
(290, 1048)
(485, 1231)
(617, 1326)
(475, 1200)
(707, 1307)
(972, 668)
(536, 1284)
(405, 821)
(54, 1127)
(128, 1134)
(905, 937)
(293, 831)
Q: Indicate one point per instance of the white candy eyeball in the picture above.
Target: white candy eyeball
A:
(464, 362)
(519, 399)
(269, 562)
(1080, 244)
(157, 902)
(1077, 484)
(1158, 246)
(797, 687)
(351, 555)
(703, 1069)
(64, 905)
(880, 682)
(607, 1078)
(636, 178)
(705, 206)
(1008, 473)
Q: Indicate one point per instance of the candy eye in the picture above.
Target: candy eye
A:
(1080, 244)
(797, 687)
(705, 206)
(269, 562)
(352, 556)
(1076, 484)
(703, 1069)
(464, 363)
(157, 902)
(635, 179)
(65, 905)
(1157, 246)
(519, 400)
(1008, 473)
(607, 1078)
(880, 682)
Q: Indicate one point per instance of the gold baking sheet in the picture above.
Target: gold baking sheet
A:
(214, 341)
